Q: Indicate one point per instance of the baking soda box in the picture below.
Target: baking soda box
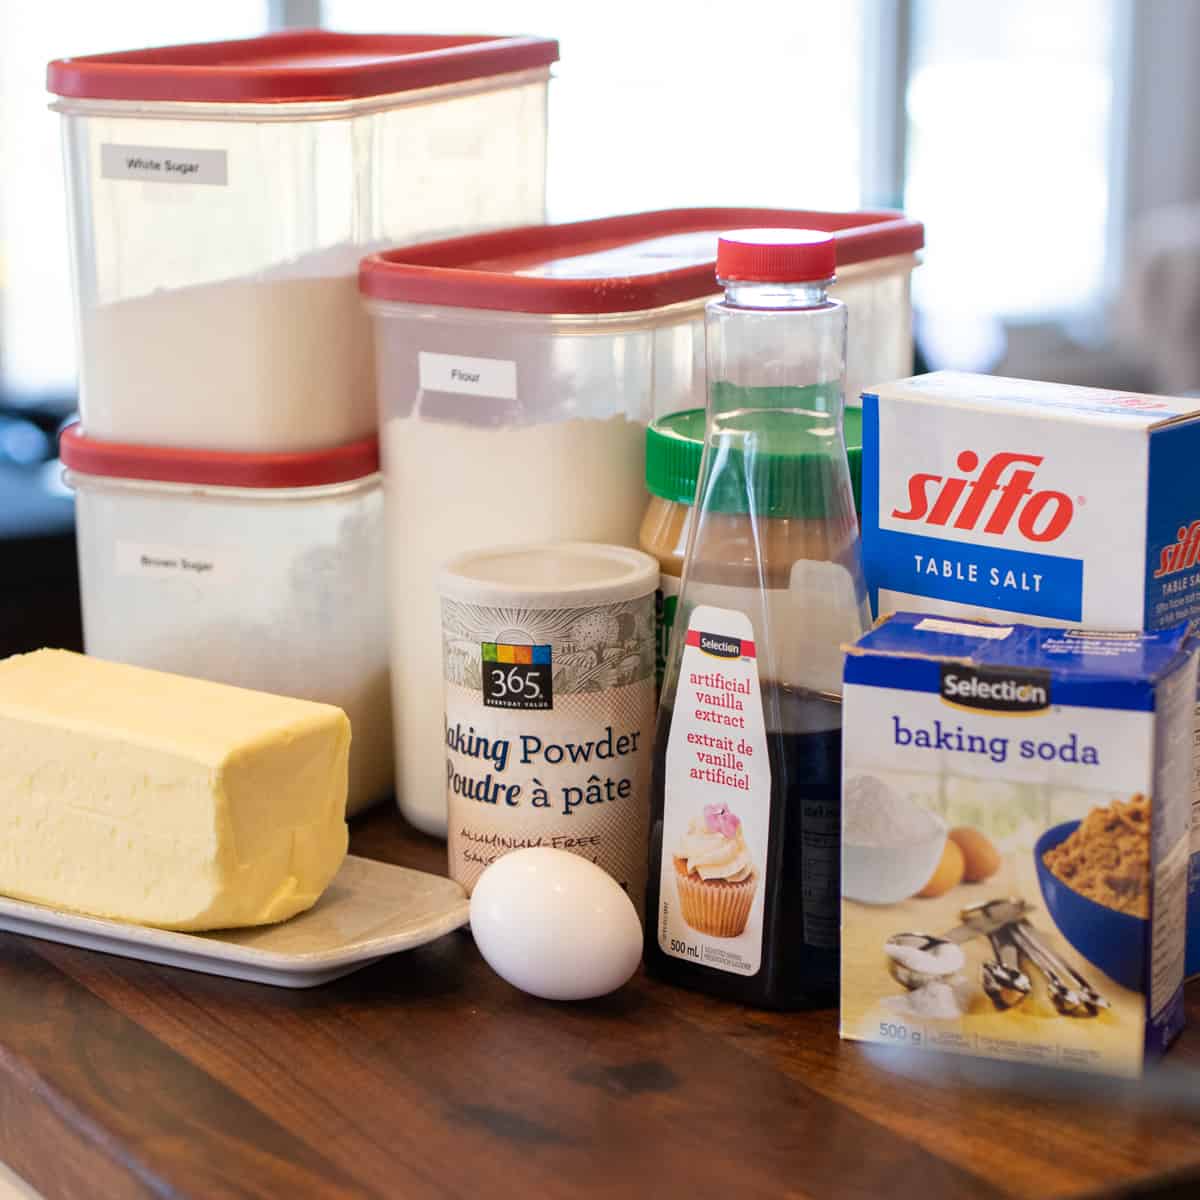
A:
(1016, 803)
(1011, 500)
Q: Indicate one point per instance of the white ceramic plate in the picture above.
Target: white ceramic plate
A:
(370, 910)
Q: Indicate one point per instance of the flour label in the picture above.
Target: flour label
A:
(164, 164)
(204, 564)
(717, 804)
(496, 377)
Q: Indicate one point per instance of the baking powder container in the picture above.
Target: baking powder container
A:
(549, 667)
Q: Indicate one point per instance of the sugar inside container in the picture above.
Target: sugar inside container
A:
(251, 569)
(516, 373)
(221, 195)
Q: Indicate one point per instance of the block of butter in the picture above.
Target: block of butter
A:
(163, 800)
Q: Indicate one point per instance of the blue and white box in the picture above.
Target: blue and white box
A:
(1005, 499)
(1015, 841)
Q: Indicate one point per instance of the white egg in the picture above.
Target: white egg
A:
(555, 925)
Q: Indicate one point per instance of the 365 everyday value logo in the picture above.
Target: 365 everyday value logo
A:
(992, 498)
(517, 676)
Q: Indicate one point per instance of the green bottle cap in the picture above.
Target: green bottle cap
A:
(788, 477)
(674, 447)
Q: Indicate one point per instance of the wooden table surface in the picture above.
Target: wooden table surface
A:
(427, 1076)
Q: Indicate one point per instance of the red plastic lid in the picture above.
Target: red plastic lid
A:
(776, 255)
(307, 64)
(618, 264)
(218, 468)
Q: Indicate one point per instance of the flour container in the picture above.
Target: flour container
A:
(251, 569)
(221, 195)
(516, 373)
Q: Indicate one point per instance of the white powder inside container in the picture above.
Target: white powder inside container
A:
(873, 814)
(278, 361)
(452, 487)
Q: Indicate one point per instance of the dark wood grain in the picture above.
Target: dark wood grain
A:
(425, 1075)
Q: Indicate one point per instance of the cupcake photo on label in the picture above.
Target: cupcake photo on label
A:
(714, 874)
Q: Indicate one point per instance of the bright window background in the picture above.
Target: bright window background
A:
(657, 105)
(1010, 146)
(37, 340)
(1009, 113)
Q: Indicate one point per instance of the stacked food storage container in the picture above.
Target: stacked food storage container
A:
(517, 372)
(226, 465)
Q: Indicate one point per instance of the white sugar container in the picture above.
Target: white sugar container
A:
(550, 704)
(256, 570)
(220, 196)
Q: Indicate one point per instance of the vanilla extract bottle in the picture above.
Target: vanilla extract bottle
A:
(744, 873)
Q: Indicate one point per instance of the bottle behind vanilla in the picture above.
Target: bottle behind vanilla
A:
(744, 887)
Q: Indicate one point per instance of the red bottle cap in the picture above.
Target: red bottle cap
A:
(776, 255)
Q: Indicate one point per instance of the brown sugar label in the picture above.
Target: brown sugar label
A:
(549, 719)
(717, 800)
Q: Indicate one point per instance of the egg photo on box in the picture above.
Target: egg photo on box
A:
(981, 859)
(555, 925)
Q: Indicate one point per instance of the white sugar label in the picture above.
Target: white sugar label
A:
(202, 564)
(717, 808)
(164, 164)
(495, 377)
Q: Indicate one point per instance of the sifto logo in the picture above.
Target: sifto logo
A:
(997, 689)
(989, 499)
(1182, 554)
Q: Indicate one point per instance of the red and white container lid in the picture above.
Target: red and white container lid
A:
(218, 468)
(618, 264)
(302, 66)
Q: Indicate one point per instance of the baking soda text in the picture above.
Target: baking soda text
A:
(957, 740)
